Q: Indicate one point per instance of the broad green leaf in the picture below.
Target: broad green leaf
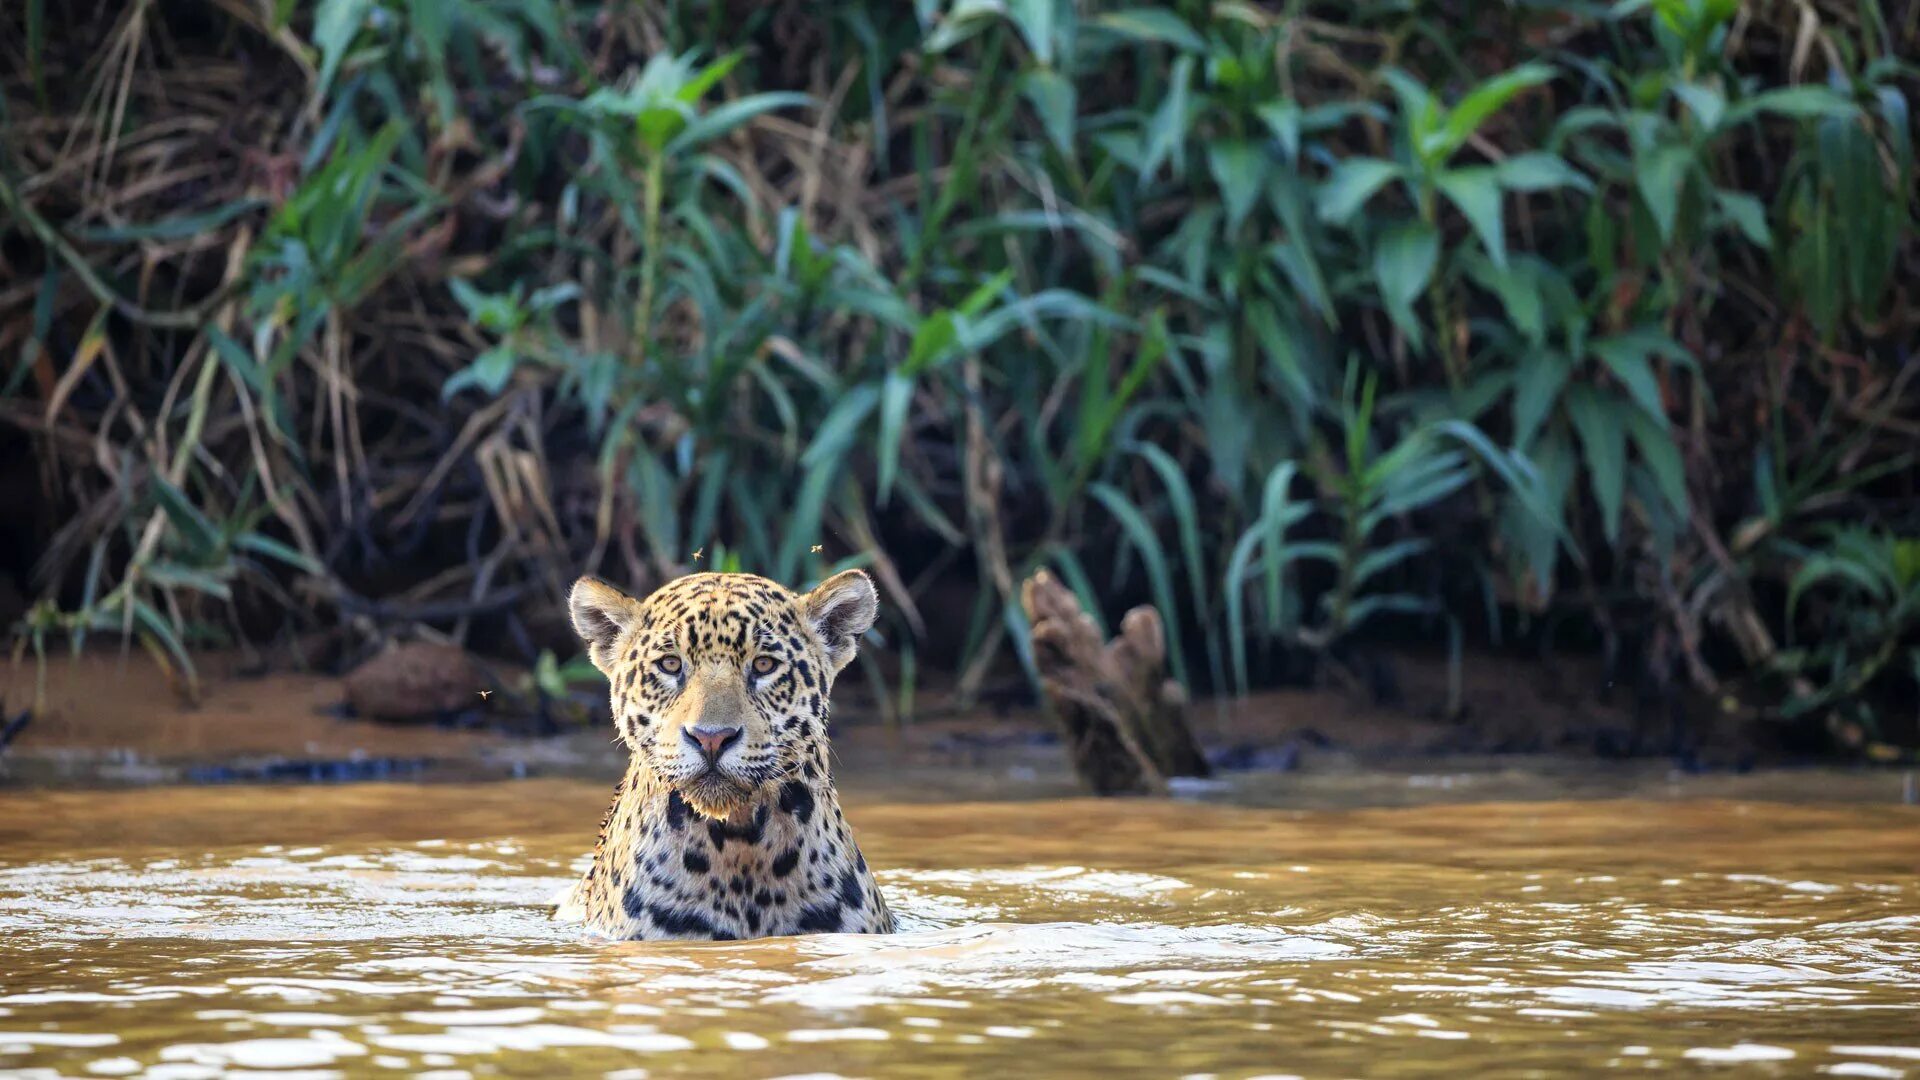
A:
(1381, 559)
(1539, 171)
(199, 533)
(1052, 98)
(836, 432)
(1628, 363)
(1542, 375)
(721, 119)
(1540, 535)
(489, 371)
(1420, 115)
(1474, 397)
(1283, 119)
(1167, 131)
(1403, 263)
(1747, 214)
(1660, 174)
(1403, 603)
(1240, 168)
(706, 504)
(1353, 182)
(1406, 482)
(1239, 565)
(1800, 102)
(1518, 286)
(656, 502)
(1291, 197)
(1101, 409)
(981, 333)
(1654, 341)
(931, 342)
(1303, 271)
(490, 311)
(1488, 98)
(427, 22)
(170, 575)
(1824, 567)
(1227, 422)
(657, 124)
(1661, 457)
(1278, 514)
(1685, 16)
(802, 525)
(1035, 19)
(1125, 147)
(896, 393)
(963, 21)
(1152, 24)
(1287, 351)
(1186, 516)
(1603, 436)
(983, 294)
(1332, 115)
(335, 24)
(259, 544)
(1707, 104)
(1476, 192)
(697, 84)
(548, 297)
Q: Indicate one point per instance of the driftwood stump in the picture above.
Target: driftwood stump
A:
(1122, 718)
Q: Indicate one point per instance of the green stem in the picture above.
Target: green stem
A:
(652, 192)
(1440, 300)
(1351, 544)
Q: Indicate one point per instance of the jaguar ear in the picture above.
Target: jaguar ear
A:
(601, 614)
(840, 609)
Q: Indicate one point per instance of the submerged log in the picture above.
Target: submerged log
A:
(1123, 719)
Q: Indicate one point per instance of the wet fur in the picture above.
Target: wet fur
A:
(689, 853)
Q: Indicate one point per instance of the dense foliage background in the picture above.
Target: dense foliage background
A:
(1317, 325)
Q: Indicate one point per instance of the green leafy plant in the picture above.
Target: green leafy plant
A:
(452, 299)
(1429, 137)
(1868, 584)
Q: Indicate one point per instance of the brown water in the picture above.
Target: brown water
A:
(402, 929)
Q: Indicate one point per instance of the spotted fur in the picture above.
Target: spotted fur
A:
(750, 843)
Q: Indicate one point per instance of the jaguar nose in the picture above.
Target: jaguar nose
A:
(711, 741)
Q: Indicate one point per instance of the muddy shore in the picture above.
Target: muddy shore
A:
(110, 720)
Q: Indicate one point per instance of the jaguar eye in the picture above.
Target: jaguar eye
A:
(764, 664)
(668, 664)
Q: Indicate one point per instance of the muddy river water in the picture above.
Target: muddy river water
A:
(402, 929)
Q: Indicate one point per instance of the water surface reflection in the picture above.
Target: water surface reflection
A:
(403, 929)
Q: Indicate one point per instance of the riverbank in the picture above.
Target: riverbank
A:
(110, 721)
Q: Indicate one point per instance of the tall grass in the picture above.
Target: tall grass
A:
(1302, 322)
